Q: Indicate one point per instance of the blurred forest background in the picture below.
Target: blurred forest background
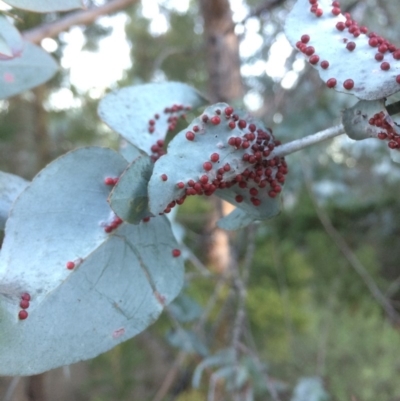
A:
(322, 279)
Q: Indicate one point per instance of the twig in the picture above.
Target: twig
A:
(261, 369)
(283, 291)
(350, 256)
(85, 17)
(393, 287)
(329, 133)
(309, 140)
(11, 389)
(211, 302)
(197, 263)
(170, 377)
(240, 281)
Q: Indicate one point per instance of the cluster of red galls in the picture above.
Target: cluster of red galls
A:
(388, 132)
(261, 170)
(382, 45)
(24, 305)
(175, 112)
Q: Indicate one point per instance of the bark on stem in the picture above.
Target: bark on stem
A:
(298, 144)
(85, 17)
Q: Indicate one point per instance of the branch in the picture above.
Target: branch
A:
(351, 256)
(329, 133)
(8, 396)
(85, 17)
(309, 140)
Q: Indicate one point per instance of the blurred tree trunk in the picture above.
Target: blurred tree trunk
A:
(222, 44)
(35, 388)
(225, 85)
(40, 132)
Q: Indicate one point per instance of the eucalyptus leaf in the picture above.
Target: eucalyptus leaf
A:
(90, 288)
(202, 159)
(129, 151)
(395, 155)
(188, 341)
(239, 218)
(32, 68)
(310, 389)
(46, 6)
(11, 43)
(356, 119)
(221, 358)
(130, 110)
(185, 309)
(129, 198)
(10, 187)
(350, 57)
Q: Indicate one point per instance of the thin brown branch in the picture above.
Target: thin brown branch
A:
(171, 377)
(350, 255)
(8, 396)
(85, 17)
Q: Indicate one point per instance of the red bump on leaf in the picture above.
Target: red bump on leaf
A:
(340, 26)
(204, 179)
(373, 42)
(324, 64)
(215, 120)
(110, 181)
(383, 48)
(305, 38)
(164, 177)
(331, 82)
(319, 12)
(348, 84)
(24, 304)
(396, 55)
(242, 124)
(207, 166)
(26, 296)
(190, 136)
(309, 50)
(22, 315)
(228, 111)
(70, 265)
(214, 157)
(253, 191)
(176, 253)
